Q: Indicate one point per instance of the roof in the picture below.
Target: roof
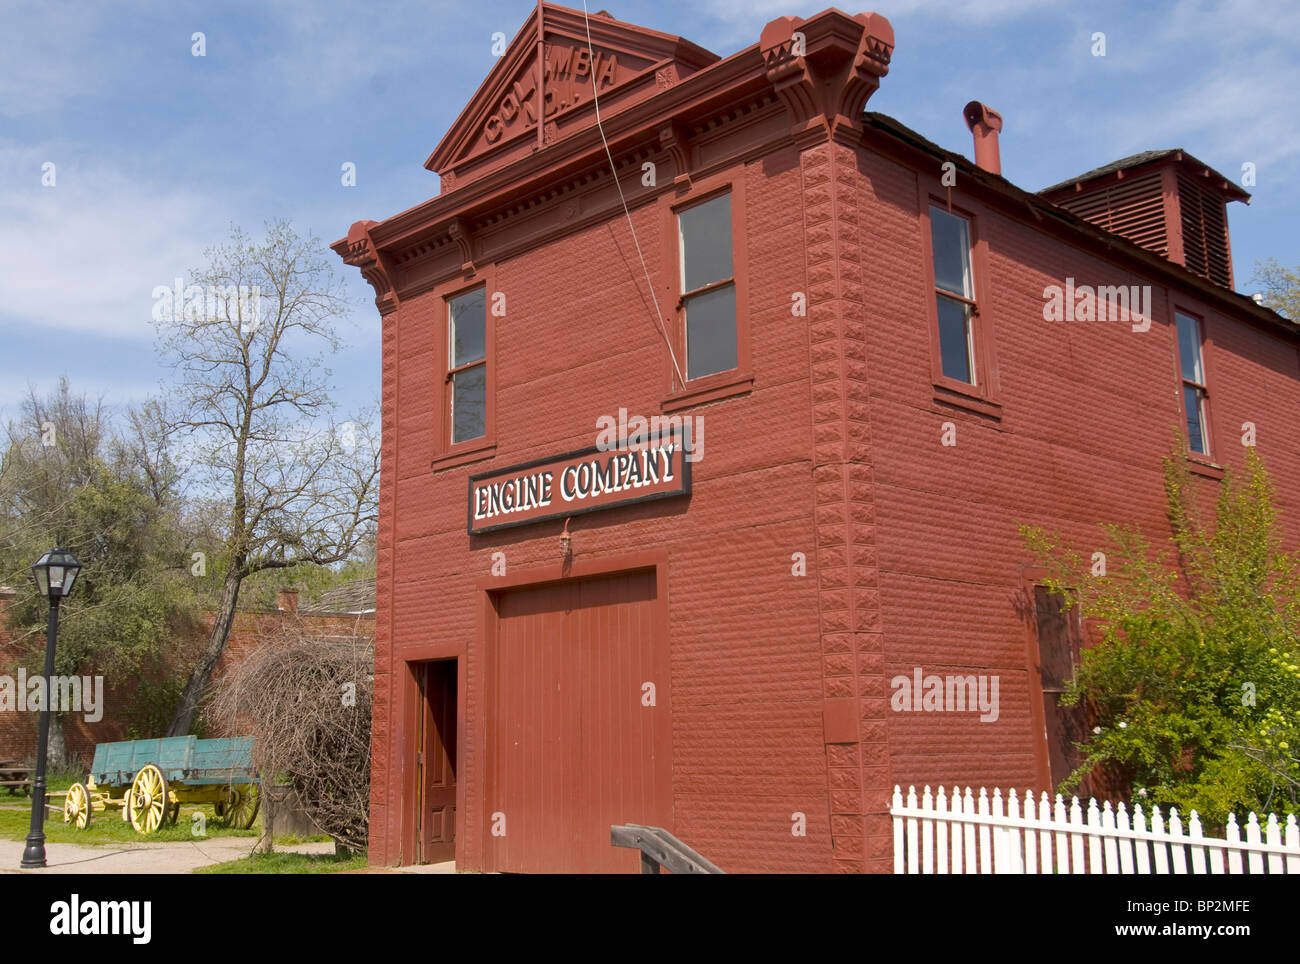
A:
(1041, 207)
(1123, 164)
(1227, 186)
(517, 181)
(353, 597)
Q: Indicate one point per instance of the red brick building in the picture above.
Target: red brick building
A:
(859, 328)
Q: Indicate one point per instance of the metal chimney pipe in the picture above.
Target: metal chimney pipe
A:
(985, 123)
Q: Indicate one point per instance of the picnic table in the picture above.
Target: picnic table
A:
(15, 778)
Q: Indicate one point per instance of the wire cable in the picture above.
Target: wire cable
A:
(627, 213)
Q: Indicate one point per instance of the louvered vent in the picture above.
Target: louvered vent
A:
(1165, 201)
(1132, 208)
(1205, 231)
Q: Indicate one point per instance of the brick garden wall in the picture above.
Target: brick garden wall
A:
(250, 629)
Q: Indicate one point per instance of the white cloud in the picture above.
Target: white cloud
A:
(86, 254)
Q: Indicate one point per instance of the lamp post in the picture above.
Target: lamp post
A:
(54, 572)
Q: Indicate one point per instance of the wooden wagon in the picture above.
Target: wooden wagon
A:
(150, 779)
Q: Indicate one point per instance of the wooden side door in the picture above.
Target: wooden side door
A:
(436, 763)
(1058, 655)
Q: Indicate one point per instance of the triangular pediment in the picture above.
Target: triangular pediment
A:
(623, 64)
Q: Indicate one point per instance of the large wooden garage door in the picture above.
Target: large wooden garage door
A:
(571, 747)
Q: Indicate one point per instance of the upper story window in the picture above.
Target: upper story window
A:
(954, 286)
(467, 364)
(708, 281)
(1192, 367)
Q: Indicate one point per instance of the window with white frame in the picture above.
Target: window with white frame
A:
(1195, 393)
(708, 287)
(467, 364)
(954, 287)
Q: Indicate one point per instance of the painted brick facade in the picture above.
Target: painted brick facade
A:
(828, 444)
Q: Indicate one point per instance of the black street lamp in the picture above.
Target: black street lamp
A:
(54, 572)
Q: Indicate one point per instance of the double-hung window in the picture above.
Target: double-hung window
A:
(708, 286)
(467, 364)
(1192, 369)
(954, 291)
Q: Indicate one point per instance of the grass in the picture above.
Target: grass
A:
(283, 863)
(290, 839)
(107, 826)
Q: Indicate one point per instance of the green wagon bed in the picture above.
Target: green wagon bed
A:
(150, 779)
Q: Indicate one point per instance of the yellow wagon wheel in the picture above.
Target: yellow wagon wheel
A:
(241, 807)
(76, 806)
(146, 801)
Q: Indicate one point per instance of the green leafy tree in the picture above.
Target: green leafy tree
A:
(1194, 679)
(68, 476)
(1281, 287)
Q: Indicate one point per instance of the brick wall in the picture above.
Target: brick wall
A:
(1088, 409)
(914, 554)
(780, 684)
(746, 662)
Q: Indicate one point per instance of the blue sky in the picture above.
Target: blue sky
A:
(157, 152)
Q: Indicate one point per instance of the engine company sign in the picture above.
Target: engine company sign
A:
(580, 482)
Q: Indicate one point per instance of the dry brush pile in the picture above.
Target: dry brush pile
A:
(306, 702)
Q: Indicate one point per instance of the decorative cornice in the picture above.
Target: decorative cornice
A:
(675, 138)
(826, 68)
(692, 111)
(629, 59)
(358, 250)
(739, 76)
(459, 230)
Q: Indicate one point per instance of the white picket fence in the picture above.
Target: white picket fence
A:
(941, 834)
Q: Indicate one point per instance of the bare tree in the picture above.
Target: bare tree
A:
(306, 701)
(284, 482)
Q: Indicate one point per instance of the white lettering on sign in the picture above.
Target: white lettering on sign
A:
(616, 473)
(581, 482)
(619, 472)
(513, 495)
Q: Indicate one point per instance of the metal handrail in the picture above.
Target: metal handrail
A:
(659, 849)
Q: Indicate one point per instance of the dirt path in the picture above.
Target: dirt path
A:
(173, 857)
